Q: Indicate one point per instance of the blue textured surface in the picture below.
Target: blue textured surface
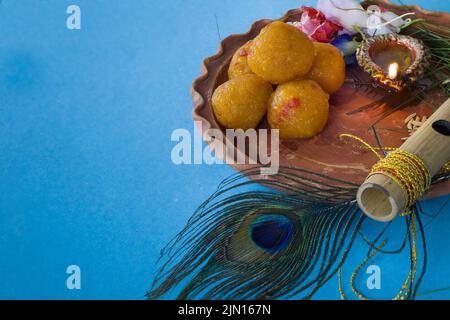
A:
(85, 124)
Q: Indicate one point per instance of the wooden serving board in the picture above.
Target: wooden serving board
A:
(358, 109)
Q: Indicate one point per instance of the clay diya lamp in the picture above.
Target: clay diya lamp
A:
(393, 61)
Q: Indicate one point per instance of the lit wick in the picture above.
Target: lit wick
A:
(393, 70)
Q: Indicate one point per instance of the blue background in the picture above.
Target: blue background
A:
(85, 123)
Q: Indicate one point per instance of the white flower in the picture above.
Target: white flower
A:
(347, 13)
(380, 22)
(350, 14)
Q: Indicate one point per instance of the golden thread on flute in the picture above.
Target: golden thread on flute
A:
(406, 169)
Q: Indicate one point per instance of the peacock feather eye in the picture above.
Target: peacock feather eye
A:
(272, 232)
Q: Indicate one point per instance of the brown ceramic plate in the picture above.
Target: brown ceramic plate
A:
(325, 153)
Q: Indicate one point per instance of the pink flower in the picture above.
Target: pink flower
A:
(316, 26)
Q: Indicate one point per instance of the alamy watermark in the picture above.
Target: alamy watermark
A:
(235, 147)
(73, 21)
(374, 280)
(73, 281)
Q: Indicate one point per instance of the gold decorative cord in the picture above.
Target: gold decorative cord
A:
(412, 175)
(408, 171)
(406, 288)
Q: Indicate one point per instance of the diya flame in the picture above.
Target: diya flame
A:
(393, 70)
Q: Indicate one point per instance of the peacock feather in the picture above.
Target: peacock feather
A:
(264, 244)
